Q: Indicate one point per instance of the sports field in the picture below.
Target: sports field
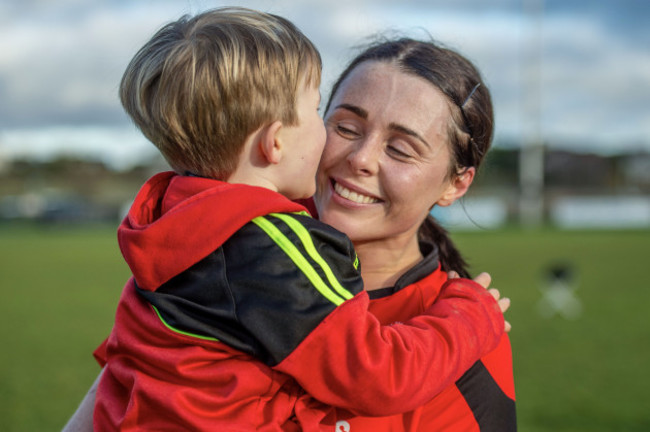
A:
(584, 373)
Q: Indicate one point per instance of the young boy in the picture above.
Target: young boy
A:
(239, 300)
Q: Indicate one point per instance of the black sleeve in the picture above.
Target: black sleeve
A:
(493, 410)
(265, 289)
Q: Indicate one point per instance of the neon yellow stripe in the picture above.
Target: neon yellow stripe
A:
(285, 244)
(175, 330)
(308, 243)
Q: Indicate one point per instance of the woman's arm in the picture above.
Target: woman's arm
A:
(82, 419)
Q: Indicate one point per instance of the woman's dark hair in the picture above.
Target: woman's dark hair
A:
(472, 119)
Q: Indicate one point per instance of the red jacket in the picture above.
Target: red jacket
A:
(236, 304)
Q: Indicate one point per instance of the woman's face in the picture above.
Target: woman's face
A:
(386, 158)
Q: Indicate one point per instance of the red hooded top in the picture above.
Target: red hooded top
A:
(239, 300)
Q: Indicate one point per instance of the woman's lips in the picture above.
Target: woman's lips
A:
(353, 196)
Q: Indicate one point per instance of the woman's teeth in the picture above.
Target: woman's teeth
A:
(353, 196)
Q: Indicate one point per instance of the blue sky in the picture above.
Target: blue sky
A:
(576, 73)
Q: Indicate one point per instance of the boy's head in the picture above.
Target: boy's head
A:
(202, 84)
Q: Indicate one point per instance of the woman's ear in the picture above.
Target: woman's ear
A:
(457, 187)
(269, 144)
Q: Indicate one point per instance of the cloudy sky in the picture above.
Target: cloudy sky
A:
(576, 73)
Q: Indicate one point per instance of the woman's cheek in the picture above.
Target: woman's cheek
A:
(332, 154)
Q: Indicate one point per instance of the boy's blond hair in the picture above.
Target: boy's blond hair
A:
(202, 84)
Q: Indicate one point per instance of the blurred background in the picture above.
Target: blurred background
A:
(559, 214)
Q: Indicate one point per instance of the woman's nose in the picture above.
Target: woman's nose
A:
(364, 158)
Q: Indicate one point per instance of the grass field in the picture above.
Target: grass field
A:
(60, 287)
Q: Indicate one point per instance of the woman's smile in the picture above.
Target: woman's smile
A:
(356, 196)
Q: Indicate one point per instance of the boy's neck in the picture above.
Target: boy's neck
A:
(252, 180)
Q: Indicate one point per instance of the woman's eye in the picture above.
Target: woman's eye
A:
(346, 131)
(398, 153)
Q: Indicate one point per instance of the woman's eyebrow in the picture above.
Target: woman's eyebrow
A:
(409, 132)
(354, 109)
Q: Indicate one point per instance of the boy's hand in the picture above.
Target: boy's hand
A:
(484, 280)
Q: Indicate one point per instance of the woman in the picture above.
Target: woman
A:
(408, 124)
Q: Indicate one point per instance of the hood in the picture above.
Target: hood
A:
(175, 221)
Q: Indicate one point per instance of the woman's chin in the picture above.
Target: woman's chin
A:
(342, 221)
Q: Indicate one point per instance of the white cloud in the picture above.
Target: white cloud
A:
(594, 84)
(119, 147)
(61, 62)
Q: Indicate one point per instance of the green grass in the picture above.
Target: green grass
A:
(59, 291)
(586, 374)
(60, 287)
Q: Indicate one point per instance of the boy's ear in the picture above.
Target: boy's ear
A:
(269, 144)
(457, 187)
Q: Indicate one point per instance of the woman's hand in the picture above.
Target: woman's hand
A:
(484, 279)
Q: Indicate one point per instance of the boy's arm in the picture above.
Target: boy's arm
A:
(351, 361)
(484, 279)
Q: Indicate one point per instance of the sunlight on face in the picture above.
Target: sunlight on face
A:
(386, 159)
